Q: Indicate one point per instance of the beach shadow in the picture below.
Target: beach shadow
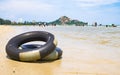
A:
(38, 61)
(33, 46)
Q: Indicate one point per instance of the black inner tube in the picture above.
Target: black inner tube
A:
(12, 48)
(33, 46)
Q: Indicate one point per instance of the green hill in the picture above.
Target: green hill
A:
(64, 20)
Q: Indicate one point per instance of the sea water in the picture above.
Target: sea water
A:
(106, 36)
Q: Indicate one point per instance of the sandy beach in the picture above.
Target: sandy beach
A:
(86, 51)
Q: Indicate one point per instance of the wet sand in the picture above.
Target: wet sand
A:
(86, 51)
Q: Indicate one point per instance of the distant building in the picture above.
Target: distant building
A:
(95, 24)
(100, 24)
(20, 20)
(33, 22)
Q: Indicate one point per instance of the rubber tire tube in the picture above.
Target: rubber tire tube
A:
(56, 54)
(13, 51)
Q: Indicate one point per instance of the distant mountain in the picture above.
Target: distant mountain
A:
(64, 20)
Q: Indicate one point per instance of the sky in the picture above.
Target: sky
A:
(100, 11)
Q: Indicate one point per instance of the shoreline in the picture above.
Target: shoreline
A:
(86, 51)
(64, 25)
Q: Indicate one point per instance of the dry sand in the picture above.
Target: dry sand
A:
(78, 59)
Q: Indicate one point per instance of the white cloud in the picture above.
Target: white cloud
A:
(45, 10)
(24, 5)
(91, 3)
(27, 9)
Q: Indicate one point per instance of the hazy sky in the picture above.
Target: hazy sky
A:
(102, 11)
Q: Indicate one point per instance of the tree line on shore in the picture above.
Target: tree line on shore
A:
(8, 22)
(2, 22)
(64, 20)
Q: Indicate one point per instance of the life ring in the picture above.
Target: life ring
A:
(56, 54)
(13, 51)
